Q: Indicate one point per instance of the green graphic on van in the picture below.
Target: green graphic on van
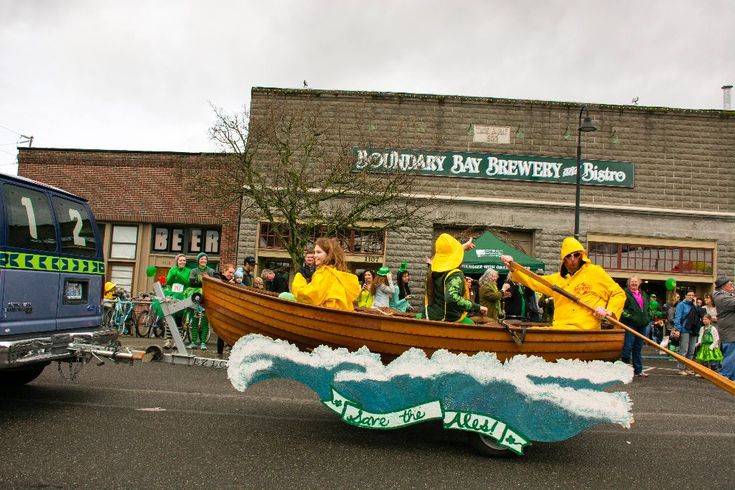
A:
(50, 263)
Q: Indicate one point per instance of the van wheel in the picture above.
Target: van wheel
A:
(487, 446)
(20, 376)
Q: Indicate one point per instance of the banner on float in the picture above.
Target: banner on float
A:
(353, 414)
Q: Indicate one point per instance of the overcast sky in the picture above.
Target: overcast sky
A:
(140, 75)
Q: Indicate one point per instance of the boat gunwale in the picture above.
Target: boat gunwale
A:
(406, 320)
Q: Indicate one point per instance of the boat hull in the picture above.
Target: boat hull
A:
(235, 311)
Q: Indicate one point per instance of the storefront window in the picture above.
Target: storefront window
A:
(652, 258)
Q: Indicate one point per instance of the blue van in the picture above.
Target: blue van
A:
(51, 278)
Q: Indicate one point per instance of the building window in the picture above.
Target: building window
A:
(360, 241)
(652, 258)
(355, 242)
(122, 276)
(124, 240)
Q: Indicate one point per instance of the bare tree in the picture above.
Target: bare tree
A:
(292, 164)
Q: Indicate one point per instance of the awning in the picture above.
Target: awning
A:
(487, 252)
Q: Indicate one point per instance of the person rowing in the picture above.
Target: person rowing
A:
(585, 280)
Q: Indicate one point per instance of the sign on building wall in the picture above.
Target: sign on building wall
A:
(187, 240)
(494, 166)
(499, 135)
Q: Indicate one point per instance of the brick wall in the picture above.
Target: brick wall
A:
(135, 187)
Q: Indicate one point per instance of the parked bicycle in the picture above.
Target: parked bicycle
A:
(193, 319)
(119, 313)
(150, 322)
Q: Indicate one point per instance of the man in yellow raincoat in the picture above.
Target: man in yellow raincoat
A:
(585, 280)
(331, 285)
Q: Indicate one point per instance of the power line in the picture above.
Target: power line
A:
(11, 130)
(23, 139)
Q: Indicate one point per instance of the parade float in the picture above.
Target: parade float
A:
(506, 384)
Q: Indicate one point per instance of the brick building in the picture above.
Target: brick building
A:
(657, 195)
(146, 204)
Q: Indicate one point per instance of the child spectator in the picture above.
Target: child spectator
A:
(382, 288)
(709, 352)
(238, 277)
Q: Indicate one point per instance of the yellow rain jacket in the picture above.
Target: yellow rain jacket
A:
(591, 284)
(328, 287)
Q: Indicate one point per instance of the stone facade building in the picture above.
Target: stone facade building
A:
(665, 207)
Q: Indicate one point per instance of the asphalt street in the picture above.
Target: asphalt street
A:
(156, 425)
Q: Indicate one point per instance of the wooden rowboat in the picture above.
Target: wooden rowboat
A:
(235, 311)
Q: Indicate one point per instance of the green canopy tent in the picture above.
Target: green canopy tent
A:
(487, 252)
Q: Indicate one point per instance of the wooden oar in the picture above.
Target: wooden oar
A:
(715, 378)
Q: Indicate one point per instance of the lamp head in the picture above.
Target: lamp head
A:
(587, 125)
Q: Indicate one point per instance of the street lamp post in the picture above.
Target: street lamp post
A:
(585, 126)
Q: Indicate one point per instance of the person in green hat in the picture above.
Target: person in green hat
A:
(382, 288)
(445, 298)
(200, 331)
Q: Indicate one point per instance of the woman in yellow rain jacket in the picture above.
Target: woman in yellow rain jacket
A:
(331, 285)
(585, 280)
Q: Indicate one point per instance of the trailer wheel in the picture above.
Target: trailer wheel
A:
(487, 446)
(20, 376)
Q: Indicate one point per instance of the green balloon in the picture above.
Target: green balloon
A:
(670, 284)
(151, 271)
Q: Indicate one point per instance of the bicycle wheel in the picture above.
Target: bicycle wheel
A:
(186, 326)
(143, 329)
(209, 327)
(131, 325)
(116, 321)
(158, 327)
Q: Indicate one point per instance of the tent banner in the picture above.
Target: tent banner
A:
(495, 166)
(487, 252)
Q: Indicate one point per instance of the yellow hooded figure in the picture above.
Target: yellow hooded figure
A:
(331, 284)
(585, 280)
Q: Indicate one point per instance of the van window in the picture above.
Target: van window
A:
(30, 222)
(77, 235)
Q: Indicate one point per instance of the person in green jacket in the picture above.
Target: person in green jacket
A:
(446, 295)
(177, 280)
(199, 330)
(489, 294)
